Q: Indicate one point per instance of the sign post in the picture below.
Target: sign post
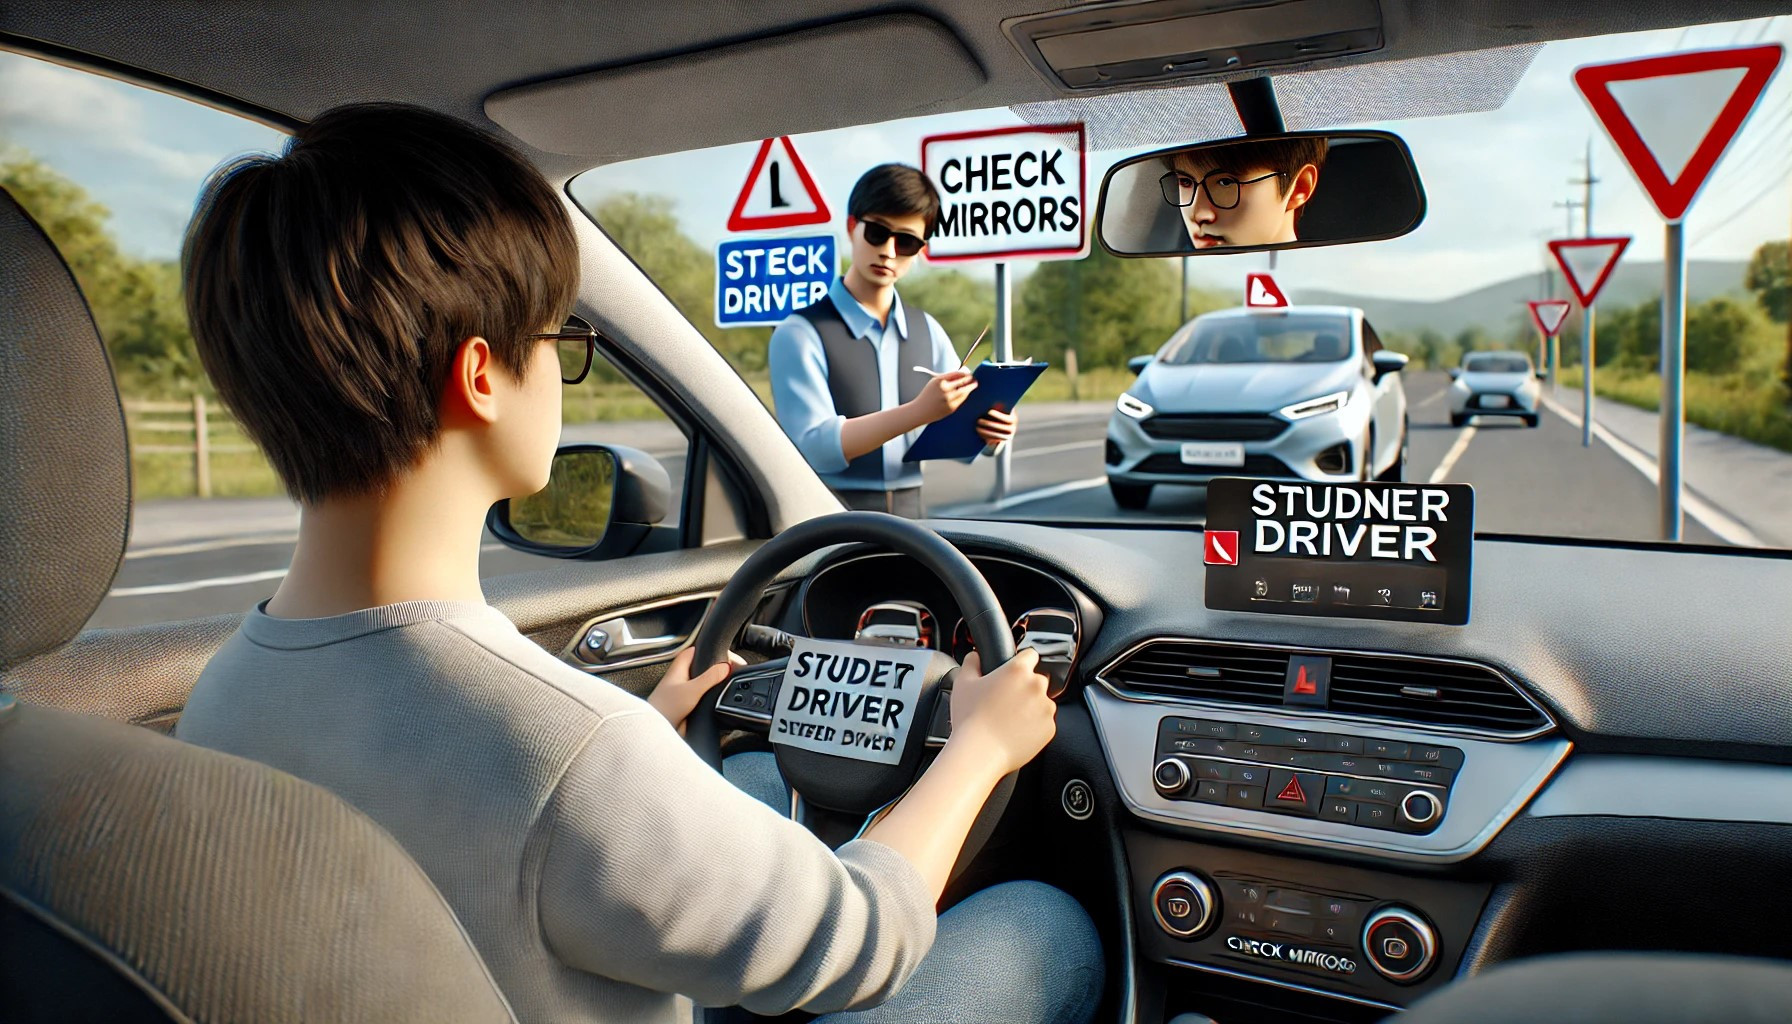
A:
(1587, 263)
(1548, 315)
(1672, 118)
(1008, 193)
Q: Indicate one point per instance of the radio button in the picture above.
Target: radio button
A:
(1183, 904)
(1170, 776)
(1400, 944)
(1209, 792)
(1375, 815)
(1343, 744)
(1334, 808)
(1244, 796)
(1387, 748)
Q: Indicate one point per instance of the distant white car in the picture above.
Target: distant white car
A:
(1494, 384)
(1305, 392)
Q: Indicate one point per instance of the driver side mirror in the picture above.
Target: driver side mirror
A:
(602, 501)
(1137, 364)
(1455, 372)
(1387, 362)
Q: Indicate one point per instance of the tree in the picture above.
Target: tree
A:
(962, 304)
(1107, 308)
(1767, 277)
(136, 304)
(1717, 334)
(645, 227)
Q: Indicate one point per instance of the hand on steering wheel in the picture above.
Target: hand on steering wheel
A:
(850, 787)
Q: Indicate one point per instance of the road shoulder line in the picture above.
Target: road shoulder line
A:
(1726, 526)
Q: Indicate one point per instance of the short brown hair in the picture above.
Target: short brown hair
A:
(328, 288)
(1285, 156)
(895, 190)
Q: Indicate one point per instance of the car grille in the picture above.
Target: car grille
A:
(1213, 427)
(1254, 465)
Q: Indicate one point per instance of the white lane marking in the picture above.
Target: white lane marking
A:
(1726, 526)
(1450, 457)
(190, 585)
(1428, 399)
(1054, 449)
(213, 545)
(185, 586)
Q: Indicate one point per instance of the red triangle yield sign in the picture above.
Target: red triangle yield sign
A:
(776, 201)
(1673, 116)
(1548, 315)
(1587, 262)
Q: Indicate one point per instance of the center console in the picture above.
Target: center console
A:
(1295, 813)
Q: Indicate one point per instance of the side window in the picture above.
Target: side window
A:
(111, 171)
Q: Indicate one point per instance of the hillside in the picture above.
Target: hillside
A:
(1494, 307)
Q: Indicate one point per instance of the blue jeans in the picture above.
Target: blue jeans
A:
(1014, 953)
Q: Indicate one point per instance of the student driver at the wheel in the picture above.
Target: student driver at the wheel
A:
(380, 306)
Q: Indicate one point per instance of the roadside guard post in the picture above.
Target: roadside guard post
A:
(762, 280)
(1671, 118)
(1587, 263)
(1008, 193)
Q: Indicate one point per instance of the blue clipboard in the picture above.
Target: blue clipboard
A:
(955, 437)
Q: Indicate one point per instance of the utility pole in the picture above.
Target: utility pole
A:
(1589, 350)
(1555, 345)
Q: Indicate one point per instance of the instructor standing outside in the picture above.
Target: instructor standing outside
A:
(844, 381)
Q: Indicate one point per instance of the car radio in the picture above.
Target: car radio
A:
(1330, 776)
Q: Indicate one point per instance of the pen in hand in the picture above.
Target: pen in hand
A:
(961, 363)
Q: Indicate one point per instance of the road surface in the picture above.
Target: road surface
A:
(194, 558)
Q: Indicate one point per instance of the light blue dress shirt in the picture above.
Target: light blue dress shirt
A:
(805, 406)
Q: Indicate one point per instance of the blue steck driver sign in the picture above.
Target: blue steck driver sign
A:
(760, 281)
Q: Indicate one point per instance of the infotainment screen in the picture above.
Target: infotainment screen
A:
(1367, 551)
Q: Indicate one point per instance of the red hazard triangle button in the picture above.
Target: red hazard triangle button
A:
(1292, 792)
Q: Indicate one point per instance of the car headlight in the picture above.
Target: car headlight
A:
(1315, 406)
(1133, 407)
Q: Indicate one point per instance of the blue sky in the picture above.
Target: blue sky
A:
(1492, 178)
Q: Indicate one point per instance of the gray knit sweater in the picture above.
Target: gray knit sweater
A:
(598, 864)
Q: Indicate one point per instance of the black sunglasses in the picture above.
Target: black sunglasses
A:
(906, 244)
(577, 343)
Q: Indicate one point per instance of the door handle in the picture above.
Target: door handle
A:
(613, 640)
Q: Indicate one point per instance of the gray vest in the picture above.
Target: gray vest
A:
(853, 377)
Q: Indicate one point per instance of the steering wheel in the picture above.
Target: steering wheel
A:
(837, 795)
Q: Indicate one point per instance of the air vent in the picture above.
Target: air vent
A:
(1237, 675)
(1449, 694)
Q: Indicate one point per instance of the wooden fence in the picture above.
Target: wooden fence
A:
(194, 422)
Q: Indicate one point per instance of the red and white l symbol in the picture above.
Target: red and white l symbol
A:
(1222, 547)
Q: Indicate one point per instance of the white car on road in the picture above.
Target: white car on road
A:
(1304, 391)
(1494, 384)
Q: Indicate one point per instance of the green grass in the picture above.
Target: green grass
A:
(1750, 406)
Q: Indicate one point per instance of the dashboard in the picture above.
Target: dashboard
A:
(1353, 813)
(849, 596)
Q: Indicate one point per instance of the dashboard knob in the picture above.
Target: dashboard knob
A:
(1421, 807)
(1400, 944)
(1183, 904)
(1170, 776)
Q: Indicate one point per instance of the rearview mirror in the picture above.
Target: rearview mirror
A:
(1263, 192)
(601, 501)
(1137, 364)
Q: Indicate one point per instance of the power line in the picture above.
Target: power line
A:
(1707, 233)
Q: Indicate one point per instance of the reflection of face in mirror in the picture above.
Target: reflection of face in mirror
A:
(1244, 193)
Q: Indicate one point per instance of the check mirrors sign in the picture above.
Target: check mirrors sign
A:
(849, 700)
(1007, 193)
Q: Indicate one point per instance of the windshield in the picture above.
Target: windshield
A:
(1503, 175)
(1497, 364)
(1262, 338)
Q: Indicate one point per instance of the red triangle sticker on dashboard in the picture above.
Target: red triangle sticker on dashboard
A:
(1292, 792)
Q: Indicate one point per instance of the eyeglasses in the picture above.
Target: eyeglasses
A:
(1222, 187)
(577, 343)
(906, 244)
